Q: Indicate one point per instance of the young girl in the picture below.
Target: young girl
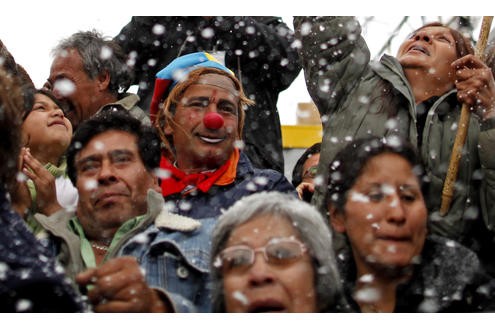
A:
(46, 134)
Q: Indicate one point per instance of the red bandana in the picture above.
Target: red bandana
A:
(203, 181)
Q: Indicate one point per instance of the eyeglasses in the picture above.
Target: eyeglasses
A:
(278, 251)
(310, 172)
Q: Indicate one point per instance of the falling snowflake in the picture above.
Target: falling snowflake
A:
(23, 305)
(239, 296)
(91, 184)
(208, 33)
(158, 29)
(367, 295)
(64, 87)
(106, 53)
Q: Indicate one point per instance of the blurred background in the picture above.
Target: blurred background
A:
(31, 29)
(30, 39)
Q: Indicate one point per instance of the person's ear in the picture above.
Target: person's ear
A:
(337, 219)
(103, 81)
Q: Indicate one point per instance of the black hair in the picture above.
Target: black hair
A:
(20, 75)
(46, 92)
(148, 141)
(11, 104)
(297, 172)
(349, 162)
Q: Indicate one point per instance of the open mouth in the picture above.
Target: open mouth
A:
(420, 49)
(267, 306)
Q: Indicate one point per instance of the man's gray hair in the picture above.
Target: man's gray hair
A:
(99, 55)
(314, 233)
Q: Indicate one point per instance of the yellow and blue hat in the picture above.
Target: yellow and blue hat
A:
(177, 71)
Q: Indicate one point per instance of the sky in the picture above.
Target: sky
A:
(30, 29)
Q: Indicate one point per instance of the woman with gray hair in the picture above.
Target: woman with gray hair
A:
(297, 270)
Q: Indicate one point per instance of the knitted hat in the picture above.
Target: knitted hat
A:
(177, 71)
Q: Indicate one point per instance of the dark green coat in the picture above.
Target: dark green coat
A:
(357, 98)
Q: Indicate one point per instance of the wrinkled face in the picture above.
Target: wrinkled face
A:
(200, 146)
(70, 82)
(432, 48)
(46, 127)
(268, 287)
(385, 215)
(112, 180)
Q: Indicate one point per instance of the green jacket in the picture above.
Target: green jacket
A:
(358, 98)
(173, 250)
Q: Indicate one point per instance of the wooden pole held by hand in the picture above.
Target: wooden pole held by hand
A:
(462, 128)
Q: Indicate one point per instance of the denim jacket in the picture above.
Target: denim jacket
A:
(172, 249)
(175, 253)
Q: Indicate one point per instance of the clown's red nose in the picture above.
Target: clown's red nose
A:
(213, 121)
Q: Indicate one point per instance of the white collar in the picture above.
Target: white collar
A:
(168, 220)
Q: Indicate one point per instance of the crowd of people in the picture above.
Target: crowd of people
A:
(161, 201)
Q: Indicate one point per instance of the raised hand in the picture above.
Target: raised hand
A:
(475, 85)
(21, 198)
(44, 181)
(119, 285)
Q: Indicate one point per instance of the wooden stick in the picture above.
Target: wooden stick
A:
(462, 128)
